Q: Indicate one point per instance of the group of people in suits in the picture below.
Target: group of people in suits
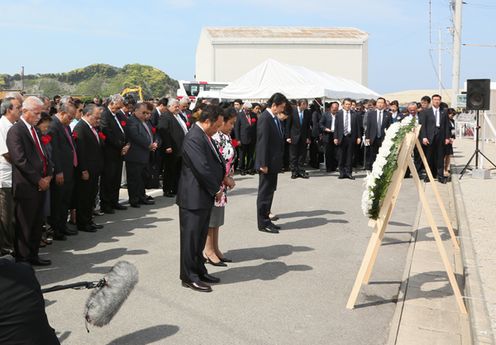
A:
(73, 159)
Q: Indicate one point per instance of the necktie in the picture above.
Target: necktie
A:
(40, 152)
(248, 119)
(74, 155)
(276, 120)
(346, 123)
(95, 133)
(148, 131)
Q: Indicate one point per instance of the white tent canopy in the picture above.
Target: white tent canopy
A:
(294, 82)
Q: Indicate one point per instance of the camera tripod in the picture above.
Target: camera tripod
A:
(477, 152)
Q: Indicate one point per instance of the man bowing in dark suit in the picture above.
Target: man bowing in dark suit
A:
(89, 150)
(115, 148)
(269, 158)
(346, 134)
(378, 121)
(435, 134)
(64, 158)
(140, 137)
(298, 135)
(202, 174)
(172, 128)
(31, 176)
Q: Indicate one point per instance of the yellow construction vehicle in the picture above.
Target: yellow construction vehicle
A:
(136, 92)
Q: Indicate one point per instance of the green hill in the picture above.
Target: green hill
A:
(95, 80)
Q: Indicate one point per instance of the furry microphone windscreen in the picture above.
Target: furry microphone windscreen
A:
(105, 301)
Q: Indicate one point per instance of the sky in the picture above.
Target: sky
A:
(50, 36)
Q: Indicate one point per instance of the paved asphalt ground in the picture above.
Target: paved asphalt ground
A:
(289, 288)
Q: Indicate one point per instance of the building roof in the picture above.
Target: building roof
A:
(285, 34)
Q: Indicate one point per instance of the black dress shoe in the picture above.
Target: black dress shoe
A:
(242, 173)
(69, 232)
(277, 227)
(149, 197)
(59, 237)
(133, 205)
(197, 286)
(252, 172)
(119, 207)
(96, 226)
(219, 264)
(294, 176)
(147, 202)
(40, 262)
(207, 278)
(86, 228)
(269, 229)
(442, 180)
(169, 194)
(224, 259)
(341, 177)
(426, 179)
(107, 210)
(350, 177)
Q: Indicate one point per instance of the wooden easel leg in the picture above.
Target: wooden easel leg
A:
(454, 240)
(439, 242)
(364, 266)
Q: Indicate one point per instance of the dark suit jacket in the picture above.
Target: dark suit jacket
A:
(428, 121)
(326, 122)
(89, 150)
(115, 138)
(245, 130)
(202, 172)
(23, 319)
(296, 131)
(339, 126)
(372, 128)
(270, 144)
(155, 117)
(316, 116)
(62, 154)
(27, 165)
(140, 141)
(171, 133)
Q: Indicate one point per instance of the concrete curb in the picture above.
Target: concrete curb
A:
(480, 325)
(398, 312)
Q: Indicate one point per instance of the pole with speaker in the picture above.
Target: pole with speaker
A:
(478, 96)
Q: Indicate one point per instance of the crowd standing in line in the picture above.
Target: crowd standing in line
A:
(63, 162)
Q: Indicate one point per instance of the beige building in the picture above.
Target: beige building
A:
(224, 54)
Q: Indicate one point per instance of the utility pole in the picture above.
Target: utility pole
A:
(457, 39)
(440, 62)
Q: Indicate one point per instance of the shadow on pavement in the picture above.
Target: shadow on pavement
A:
(310, 223)
(68, 264)
(146, 336)
(308, 213)
(242, 191)
(265, 271)
(265, 253)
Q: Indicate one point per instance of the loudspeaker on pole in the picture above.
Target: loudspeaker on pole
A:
(478, 94)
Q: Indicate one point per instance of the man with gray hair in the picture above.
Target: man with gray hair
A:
(10, 111)
(31, 176)
(64, 160)
(114, 150)
(172, 129)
